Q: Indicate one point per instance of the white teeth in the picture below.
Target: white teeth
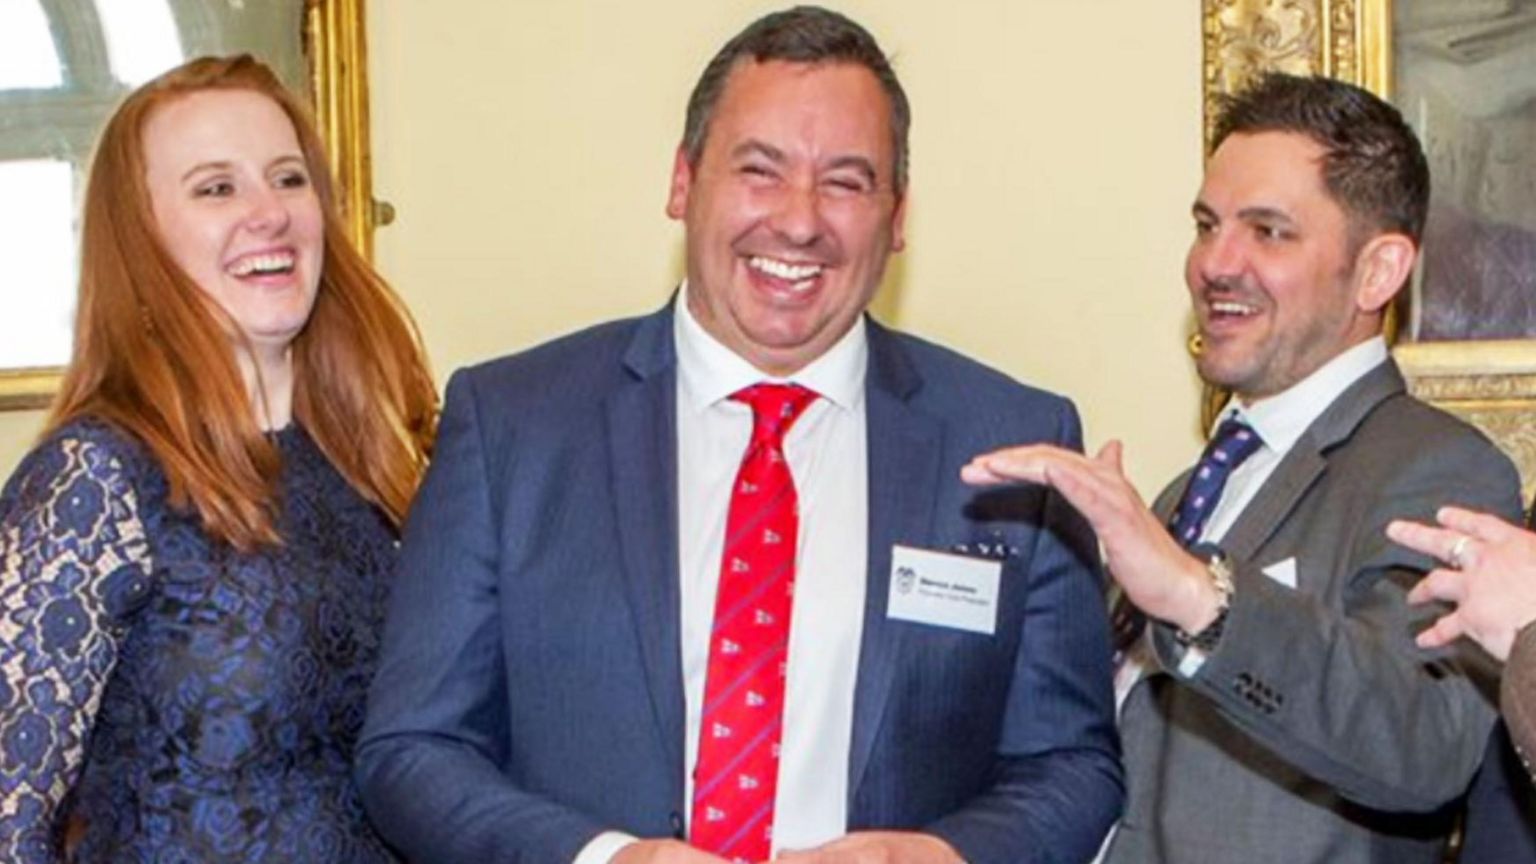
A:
(276, 262)
(800, 274)
(1230, 308)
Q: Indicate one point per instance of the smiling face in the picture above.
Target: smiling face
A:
(234, 207)
(791, 211)
(1275, 283)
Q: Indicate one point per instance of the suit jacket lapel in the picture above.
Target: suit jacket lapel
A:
(642, 455)
(1307, 459)
(904, 450)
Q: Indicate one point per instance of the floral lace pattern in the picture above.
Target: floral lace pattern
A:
(176, 699)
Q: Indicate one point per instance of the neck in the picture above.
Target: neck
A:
(1249, 399)
(268, 376)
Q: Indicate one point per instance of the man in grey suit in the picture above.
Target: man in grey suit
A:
(591, 658)
(1276, 707)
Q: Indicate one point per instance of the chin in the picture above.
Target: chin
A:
(277, 330)
(1221, 376)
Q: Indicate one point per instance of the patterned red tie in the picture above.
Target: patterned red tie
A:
(738, 766)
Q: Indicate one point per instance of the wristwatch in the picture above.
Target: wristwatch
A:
(1220, 571)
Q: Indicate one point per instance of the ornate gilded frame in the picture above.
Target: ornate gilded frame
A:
(335, 42)
(1491, 384)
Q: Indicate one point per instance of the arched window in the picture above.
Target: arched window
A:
(64, 64)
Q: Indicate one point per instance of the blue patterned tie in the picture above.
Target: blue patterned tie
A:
(1232, 444)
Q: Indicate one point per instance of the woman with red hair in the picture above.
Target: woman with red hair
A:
(194, 558)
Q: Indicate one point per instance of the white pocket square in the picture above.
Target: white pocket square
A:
(1283, 572)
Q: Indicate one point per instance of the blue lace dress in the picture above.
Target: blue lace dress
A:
(170, 699)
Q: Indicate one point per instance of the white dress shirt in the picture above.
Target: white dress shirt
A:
(827, 451)
(1279, 421)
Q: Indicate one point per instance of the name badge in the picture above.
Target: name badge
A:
(943, 589)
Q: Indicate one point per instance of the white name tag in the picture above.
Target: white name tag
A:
(943, 589)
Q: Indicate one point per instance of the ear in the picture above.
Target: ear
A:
(682, 180)
(899, 224)
(1384, 265)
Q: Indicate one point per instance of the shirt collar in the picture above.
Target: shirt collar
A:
(710, 372)
(1282, 418)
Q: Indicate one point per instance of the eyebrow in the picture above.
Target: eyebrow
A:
(773, 154)
(225, 165)
(207, 166)
(1264, 214)
(761, 148)
(1247, 214)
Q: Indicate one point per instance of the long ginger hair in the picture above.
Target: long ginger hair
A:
(153, 354)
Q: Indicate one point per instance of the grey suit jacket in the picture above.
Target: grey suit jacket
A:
(1316, 731)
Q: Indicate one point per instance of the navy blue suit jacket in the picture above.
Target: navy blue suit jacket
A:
(530, 693)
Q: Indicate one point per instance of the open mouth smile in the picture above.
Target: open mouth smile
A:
(1228, 309)
(797, 277)
(263, 264)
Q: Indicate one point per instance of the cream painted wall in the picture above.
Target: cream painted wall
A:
(17, 429)
(1055, 148)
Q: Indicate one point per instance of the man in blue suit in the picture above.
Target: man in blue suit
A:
(551, 681)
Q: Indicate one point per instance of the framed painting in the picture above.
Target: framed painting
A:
(1464, 75)
(64, 65)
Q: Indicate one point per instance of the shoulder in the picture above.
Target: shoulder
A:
(957, 386)
(1409, 454)
(84, 450)
(947, 372)
(574, 364)
(574, 354)
(79, 498)
(1424, 435)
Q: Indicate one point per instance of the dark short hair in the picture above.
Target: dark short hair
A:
(1373, 165)
(804, 34)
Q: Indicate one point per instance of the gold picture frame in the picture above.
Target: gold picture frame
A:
(335, 44)
(1491, 384)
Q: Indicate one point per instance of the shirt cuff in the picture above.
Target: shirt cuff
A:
(1191, 662)
(602, 848)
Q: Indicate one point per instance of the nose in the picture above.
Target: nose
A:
(797, 216)
(1217, 255)
(268, 212)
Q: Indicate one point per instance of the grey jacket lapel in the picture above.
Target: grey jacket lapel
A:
(642, 455)
(1307, 460)
(904, 450)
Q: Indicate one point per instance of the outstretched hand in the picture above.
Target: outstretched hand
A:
(1490, 577)
(1156, 573)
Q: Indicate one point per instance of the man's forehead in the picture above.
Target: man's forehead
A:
(1270, 151)
(750, 75)
(837, 107)
(1271, 168)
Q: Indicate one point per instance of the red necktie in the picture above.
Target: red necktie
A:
(738, 766)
